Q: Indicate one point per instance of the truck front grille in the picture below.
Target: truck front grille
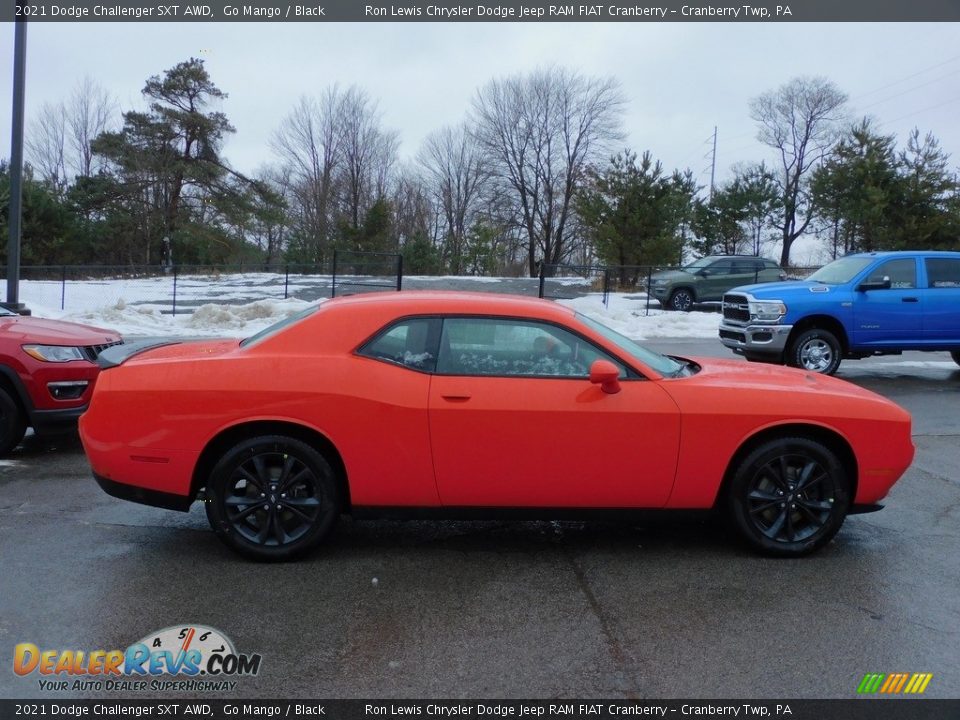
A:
(736, 308)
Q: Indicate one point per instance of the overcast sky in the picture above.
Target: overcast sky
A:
(680, 79)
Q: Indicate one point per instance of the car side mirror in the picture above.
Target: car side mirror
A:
(701, 273)
(607, 375)
(875, 285)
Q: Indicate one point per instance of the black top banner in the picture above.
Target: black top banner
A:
(493, 11)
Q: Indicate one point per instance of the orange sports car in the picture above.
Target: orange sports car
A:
(459, 404)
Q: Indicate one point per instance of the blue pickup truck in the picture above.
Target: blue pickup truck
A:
(865, 304)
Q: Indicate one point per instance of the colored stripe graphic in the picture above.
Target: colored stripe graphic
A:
(894, 683)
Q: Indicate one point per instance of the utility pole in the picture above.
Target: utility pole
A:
(713, 161)
(16, 169)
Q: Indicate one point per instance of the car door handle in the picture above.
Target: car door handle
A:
(459, 397)
(910, 299)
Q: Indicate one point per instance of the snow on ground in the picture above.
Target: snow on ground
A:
(627, 314)
(211, 319)
(238, 305)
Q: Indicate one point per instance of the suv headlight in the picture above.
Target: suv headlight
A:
(769, 310)
(54, 353)
(659, 281)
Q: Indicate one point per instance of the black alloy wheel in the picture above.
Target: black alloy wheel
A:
(789, 496)
(682, 300)
(272, 498)
(13, 426)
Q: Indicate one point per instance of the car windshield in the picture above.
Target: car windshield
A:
(652, 359)
(278, 326)
(4, 311)
(840, 271)
(697, 264)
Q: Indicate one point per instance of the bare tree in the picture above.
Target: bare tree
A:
(801, 120)
(90, 112)
(309, 145)
(46, 146)
(340, 163)
(369, 154)
(541, 131)
(457, 171)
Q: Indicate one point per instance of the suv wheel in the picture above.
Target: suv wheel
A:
(682, 300)
(12, 423)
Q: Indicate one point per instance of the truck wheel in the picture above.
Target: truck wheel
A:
(956, 356)
(816, 351)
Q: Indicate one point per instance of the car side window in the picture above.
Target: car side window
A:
(743, 267)
(507, 347)
(902, 273)
(943, 272)
(411, 342)
(723, 267)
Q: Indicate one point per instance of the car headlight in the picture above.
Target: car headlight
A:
(658, 281)
(54, 353)
(770, 310)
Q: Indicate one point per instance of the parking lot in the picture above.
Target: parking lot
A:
(662, 607)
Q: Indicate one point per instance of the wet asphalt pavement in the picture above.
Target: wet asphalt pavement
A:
(663, 607)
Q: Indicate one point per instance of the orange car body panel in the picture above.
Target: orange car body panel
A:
(410, 438)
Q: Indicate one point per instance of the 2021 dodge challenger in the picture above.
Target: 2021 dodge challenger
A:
(458, 404)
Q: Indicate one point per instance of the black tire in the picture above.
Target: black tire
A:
(681, 299)
(955, 354)
(788, 497)
(816, 351)
(272, 498)
(13, 425)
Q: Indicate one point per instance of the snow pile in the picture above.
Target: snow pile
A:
(209, 319)
(626, 313)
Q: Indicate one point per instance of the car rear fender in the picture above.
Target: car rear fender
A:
(230, 436)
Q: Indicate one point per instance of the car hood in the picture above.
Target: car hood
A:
(53, 332)
(167, 348)
(773, 291)
(759, 376)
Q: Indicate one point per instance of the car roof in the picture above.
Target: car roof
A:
(428, 302)
(907, 253)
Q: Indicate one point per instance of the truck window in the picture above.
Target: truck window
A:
(902, 273)
(943, 272)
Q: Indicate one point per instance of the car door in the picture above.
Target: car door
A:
(941, 308)
(888, 316)
(515, 422)
(716, 281)
(746, 271)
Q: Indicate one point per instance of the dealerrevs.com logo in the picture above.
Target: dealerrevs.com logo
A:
(182, 658)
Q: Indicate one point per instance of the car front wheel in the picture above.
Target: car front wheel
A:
(816, 351)
(272, 498)
(682, 300)
(13, 426)
(789, 496)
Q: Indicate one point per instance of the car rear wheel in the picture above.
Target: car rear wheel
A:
(272, 498)
(12, 423)
(682, 300)
(789, 497)
(816, 351)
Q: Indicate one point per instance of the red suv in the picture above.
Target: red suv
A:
(47, 371)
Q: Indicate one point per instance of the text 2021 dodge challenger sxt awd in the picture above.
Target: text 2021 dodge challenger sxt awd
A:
(459, 404)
